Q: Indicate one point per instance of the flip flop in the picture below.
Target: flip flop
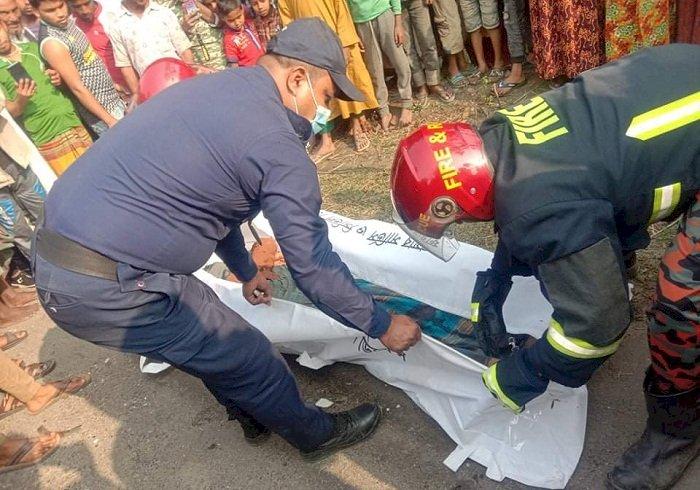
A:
(14, 338)
(25, 449)
(504, 88)
(446, 95)
(361, 142)
(458, 80)
(421, 102)
(496, 73)
(63, 391)
(39, 369)
(474, 76)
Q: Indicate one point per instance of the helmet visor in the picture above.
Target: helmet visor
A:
(443, 244)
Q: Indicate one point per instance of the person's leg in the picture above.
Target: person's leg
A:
(15, 381)
(14, 223)
(27, 191)
(410, 46)
(449, 28)
(511, 21)
(672, 385)
(373, 60)
(385, 25)
(426, 43)
(492, 22)
(471, 17)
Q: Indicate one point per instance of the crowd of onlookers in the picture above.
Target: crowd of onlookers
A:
(70, 69)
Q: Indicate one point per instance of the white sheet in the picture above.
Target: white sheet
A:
(540, 447)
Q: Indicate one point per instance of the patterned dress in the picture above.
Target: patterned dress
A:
(566, 36)
(634, 24)
(207, 47)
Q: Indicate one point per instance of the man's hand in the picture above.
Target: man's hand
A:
(402, 334)
(257, 291)
(53, 76)
(189, 20)
(398, 31)
(26, 88)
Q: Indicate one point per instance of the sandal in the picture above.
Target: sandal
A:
(38, 369)
(318, 160)
(65, 387)
(496, 74)
(474, 76)
(361, 142)
(27, 446)
(458, 80)
(503, 88)
(13, 338)
(421, 102)
(10, 405)
(445, 94)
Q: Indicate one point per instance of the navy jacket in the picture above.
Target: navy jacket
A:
(581, 172)
(172, 183)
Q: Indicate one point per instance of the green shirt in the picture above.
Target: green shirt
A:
(366, 10)
(48, 112)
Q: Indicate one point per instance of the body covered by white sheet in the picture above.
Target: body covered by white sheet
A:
(540, 447)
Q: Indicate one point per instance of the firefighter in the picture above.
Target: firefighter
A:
(572, 179)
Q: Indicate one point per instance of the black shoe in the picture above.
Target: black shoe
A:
(350, 427)
(254, 432)
(655, 462)
(668, 445)
(21, 279)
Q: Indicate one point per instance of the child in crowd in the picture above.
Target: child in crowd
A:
(479, 15)
(380, 27)
(267, 19)
(241, 43)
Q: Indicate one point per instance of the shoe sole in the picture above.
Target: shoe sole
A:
(323, 454)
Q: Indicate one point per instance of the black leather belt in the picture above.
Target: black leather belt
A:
(67, 254)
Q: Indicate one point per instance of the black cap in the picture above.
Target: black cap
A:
(311, 40)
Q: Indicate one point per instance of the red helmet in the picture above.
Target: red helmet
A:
(161, 74)
(441, 175)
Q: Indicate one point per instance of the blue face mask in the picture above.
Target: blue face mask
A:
(323, 114)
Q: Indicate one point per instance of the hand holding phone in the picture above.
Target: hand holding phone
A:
(26, 88)
(190, 6)
(18, 72)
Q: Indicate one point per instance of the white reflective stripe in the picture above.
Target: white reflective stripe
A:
(665, 201)
(561, 339)
(642, 128)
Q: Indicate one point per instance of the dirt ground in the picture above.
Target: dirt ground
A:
(167, 431)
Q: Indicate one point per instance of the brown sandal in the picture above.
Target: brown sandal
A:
(28, 445)
(38, 369)
(14, 338)
(10, 405)
(65, 388)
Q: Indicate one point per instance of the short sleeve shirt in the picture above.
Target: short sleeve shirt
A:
(242, 47)
(139, 41)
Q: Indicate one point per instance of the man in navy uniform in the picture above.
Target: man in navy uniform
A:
(127, 225)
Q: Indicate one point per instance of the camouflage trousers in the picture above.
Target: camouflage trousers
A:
(674, 326)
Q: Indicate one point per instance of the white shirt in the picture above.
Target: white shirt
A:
(139, 41)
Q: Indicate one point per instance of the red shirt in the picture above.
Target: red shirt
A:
(101, 43)
(242, 47)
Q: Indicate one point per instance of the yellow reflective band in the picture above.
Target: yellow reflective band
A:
(665, 201)
(580, 349)
(490, 379)
(666, 118)
(475, 312)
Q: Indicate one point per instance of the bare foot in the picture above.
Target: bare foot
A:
(385, 120)
(405, 118)
(324, 148)
(41, 446)
(50, 391)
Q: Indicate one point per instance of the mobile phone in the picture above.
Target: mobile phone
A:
(190, 6)
(18, 72)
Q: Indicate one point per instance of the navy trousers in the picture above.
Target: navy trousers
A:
(179, 319)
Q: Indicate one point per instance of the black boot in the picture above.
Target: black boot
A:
(254, 432)
(350, 427)
(668, 445)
